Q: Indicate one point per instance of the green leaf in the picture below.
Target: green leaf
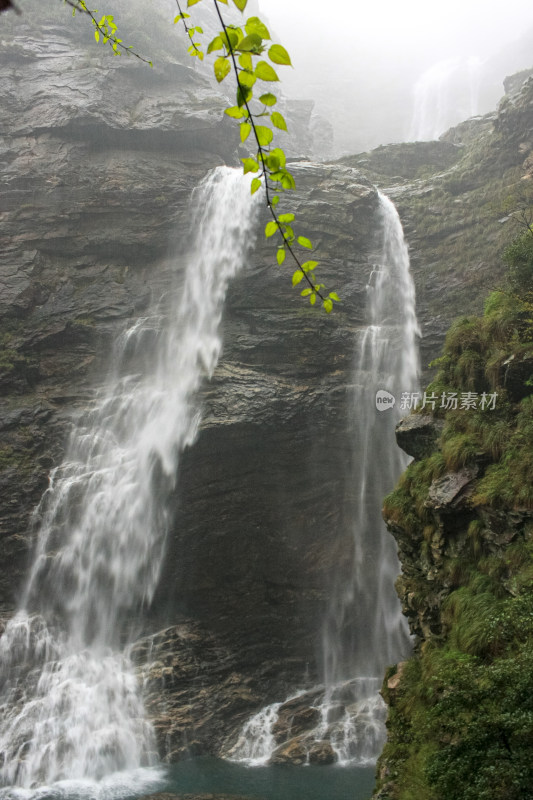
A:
(278, 153)
(289, 233)
(249, 165)
(279, 55)
(254, 25)
(297, 277)
(312, 298)
(244, 93)
(215, 44)
(278, 120)
(265, 72)
(280, 255)
(251, 43)
(245, 60)
(245, 130)
(305, 242)
(286, 217)
(247, 78)
(235, 112)
(272, 163)
(264, 135)
(183, 15)
(97, 36)
(241, 4)
(334, 296)
(229, 38)
(222, 68)
(328, 305)
(288, 181)
(223, 1)
(275, 200)
(268, 99)
(307, 265)
(271, 228)
(192, 3)
(256, 184)
(305, 292)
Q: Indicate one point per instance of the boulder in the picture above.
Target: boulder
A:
(450, 491)
(515, 372)
(322, 753)
(417, 434)
(292, 752)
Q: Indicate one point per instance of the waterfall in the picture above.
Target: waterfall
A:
(364, 630)
(445, 94)
(71, 704)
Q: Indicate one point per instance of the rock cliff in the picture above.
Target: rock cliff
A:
(100, 157)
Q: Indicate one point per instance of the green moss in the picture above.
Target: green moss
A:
(7, 457)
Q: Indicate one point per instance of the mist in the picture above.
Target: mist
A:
(391, 71)
(368, 65)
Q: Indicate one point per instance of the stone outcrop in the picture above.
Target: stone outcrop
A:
(417, 434)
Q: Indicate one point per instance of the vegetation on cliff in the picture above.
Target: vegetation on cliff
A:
(461, 710)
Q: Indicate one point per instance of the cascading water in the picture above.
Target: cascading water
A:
(71, 705)
(444, 95)
(364, 629)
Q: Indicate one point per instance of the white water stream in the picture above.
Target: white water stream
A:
(364, 629)
(71, 708)
(445, 94)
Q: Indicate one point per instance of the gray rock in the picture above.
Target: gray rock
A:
(417, 434)
(449, 491)
(322, 753)
(292, 752)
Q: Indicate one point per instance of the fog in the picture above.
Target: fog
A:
(377, 72)
(400, 69)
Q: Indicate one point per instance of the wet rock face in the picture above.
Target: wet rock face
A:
(100, 158)
(95, 230)
(196, 692)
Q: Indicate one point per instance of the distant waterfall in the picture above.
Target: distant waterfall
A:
(445, 94)
(71, 707)
(364, 629)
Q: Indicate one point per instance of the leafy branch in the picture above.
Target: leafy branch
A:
(238, 49)
(106, 28)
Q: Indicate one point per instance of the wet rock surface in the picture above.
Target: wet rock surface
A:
(101, 159)
(198, 690)
(96, 229)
